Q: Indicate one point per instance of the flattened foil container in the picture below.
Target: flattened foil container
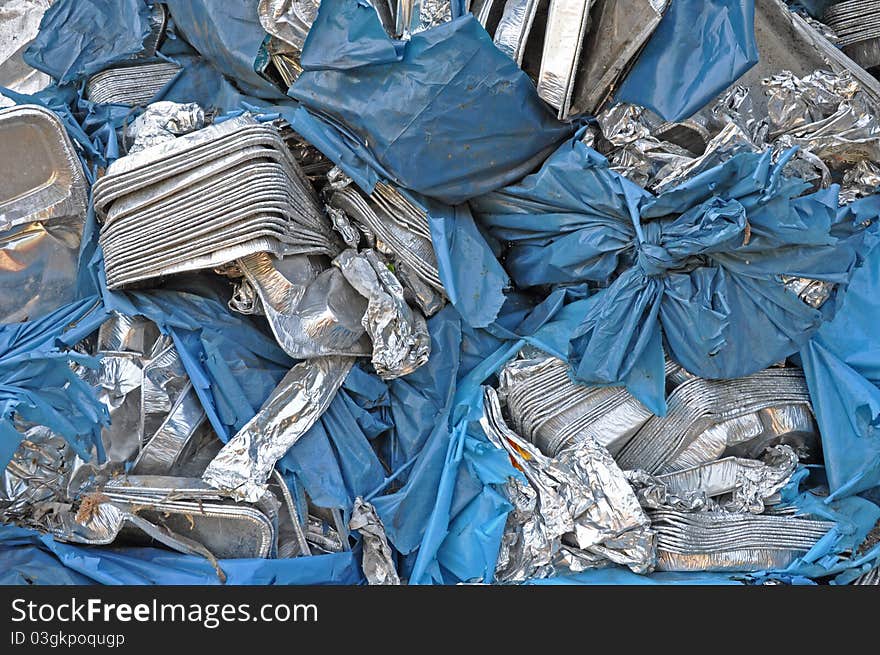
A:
(401, 342)
(246, 461)
(292, 540)
(131, 83)
(211, 529)
(719, 541)
(513, 28)
(618, 31)
(309, 316)
(174, 438)
(567, 24)
(41, 177)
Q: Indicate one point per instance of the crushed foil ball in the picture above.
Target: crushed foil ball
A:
(400, 334)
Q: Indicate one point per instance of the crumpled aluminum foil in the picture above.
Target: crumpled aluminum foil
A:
(288, 20)
(401, 342)
(164, 121)
(312, 313)
(732, 484)
(377, 564)
(583, 499)
(721, 541)
(861, 180)
(246, 461)
(33, 486)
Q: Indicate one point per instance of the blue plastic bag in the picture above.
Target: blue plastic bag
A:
(699, 49)
(842, 367)
(80, 37)
(445, 114)
(695, 269)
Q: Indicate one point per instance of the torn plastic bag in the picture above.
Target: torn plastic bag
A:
(841, 549)
(81, 37)
(37, 384)
(699, 49)
(700, 259)
(144, 565)
(842, 367)
(473, 279)
(232, 364)
(228, 35)
(618, 575)
(449, 116)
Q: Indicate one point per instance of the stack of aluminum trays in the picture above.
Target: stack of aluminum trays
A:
(721, 541)
(131, 84)
(205, 199)
(704, 416)
(401, 226)
(551, 411)
(705, 420)
(857, 25)
(585, 48)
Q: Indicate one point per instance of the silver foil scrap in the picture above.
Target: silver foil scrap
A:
(732, 484)
(400, 337)
(583, 498)
(312, 311)
(243, 465)
(164, 121)
(378, 563)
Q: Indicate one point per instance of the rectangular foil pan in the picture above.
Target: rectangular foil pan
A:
(40, 174)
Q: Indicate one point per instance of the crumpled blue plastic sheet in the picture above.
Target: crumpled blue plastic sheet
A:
(228, 35)
(450, 116)
(35, 558)
(106, 32)
(842, 367)
(701, 260)
(37, 384)
(699, 49)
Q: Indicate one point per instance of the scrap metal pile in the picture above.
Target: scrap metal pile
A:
(429, 292)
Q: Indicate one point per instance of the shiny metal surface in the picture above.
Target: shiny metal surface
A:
(378, 563)
(246, 461)
(582, 500)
